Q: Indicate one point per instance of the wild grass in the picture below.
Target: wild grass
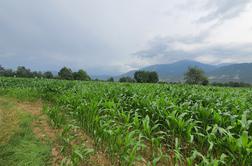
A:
(8, 121)
(18, 145)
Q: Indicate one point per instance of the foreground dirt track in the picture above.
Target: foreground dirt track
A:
(44, 131)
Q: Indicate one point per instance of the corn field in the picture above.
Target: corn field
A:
(150, 124)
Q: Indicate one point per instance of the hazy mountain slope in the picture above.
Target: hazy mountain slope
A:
(174, 71)
(235, 72)
(217, 73)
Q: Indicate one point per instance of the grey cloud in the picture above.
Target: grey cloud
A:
(220, 10)
(42, 35)
(165, 52)
(161, 46)
(43, 28)
(226, 51)
(100, 35)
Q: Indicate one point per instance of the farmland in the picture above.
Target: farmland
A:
(144, 124)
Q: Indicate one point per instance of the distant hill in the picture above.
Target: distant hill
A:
(235, 72)
(174, 72)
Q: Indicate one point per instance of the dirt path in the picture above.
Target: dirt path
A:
(46, 133)
(42, 129)
(40, 125)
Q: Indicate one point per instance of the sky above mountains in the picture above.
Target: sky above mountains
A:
(114, 36)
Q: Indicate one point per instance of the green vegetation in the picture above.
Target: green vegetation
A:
(156, 124)
(146, 77)
(18, 144)
(67, 74)
(126, 79)
(48, 75)
(111, 79)
(64, 74)
(81, 75)
(231, 84)
(142, 77)
(195, 75)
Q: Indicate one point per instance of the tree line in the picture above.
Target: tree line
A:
(64, 73)
(193, 75)
(142, 77)
(231, 84)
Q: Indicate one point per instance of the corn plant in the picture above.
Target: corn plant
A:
(190, 125)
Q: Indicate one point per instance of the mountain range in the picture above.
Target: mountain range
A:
(174, 72)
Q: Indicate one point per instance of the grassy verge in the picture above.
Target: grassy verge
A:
(18, 144)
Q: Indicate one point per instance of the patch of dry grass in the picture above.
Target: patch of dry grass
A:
(8, 121)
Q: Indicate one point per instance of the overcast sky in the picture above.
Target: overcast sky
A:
(114, 36)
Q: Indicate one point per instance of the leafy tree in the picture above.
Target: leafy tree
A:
(2, 71)
(23, 72)
(141, 76)
(126, 79)
(48, 75)
(153, 77)
(195, 75)
(81, 75)
(9, 73)
(65, 73)
(205, 81)
(37, 74)
(111, 79)
(146, 77)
